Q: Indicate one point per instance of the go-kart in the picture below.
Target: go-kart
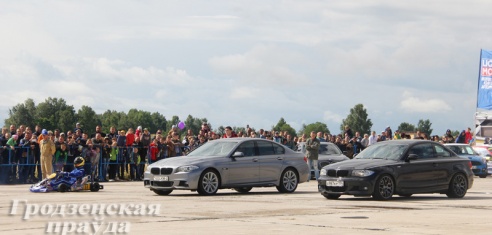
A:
(61, 182)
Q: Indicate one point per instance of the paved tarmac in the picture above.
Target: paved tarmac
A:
(262, 211)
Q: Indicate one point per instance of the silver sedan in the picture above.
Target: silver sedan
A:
(237, 163)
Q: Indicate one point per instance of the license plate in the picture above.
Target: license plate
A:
(474, 167)
(161, 178)
(337, 183)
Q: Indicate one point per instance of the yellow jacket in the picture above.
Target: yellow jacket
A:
(47, 147)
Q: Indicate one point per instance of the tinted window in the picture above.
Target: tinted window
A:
(278, 149)
(441, 152)
(265, 148)
(247, 148)
(328, 149)
(423, 151)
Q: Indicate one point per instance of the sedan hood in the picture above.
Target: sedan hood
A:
(181, 161)
(360, 164)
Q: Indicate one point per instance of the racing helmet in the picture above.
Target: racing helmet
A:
(78, 162)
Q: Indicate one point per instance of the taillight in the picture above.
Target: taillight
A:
(305, 159)
(470, 164)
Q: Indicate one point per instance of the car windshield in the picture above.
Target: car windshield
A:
(462, 149)
(328, 149)
(213, 148)
(383, 151)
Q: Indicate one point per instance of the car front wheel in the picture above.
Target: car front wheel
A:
(332, 196)
(288, 181)
(243, 189)
(384, 188)
(162, 191)
(209, 183)
(458, 186)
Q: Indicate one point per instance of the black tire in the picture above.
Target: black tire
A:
(63, 188)
(94, 187)
(332, 196)
(384, 188)
(209, 183)
(162, 192)
(483, 176)
(288, 181)
(458, 186)
(243, 189)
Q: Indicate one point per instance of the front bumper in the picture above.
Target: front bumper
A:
(359, 186)
(480, 170)
(184, 181)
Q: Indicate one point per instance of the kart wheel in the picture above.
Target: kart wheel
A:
(331, 196)
(94, 187)
(63, 188)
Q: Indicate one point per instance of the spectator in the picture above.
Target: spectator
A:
(47, 148)
(389, 133)
(312, 148)
(320, 137)
(78, 127)
(462, 137)
(229, 133)
(113, 163)
(277, 138)
(373, 138)
(365, 141)
(449, 137)
(468, 136)
(348, 132)
(98, 131)
(177, 145)
(61, 157)
(290, 143)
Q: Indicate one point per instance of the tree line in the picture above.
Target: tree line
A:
(55, 113)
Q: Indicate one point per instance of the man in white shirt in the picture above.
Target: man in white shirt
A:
(373, 138)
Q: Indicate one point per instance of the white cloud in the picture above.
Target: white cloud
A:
(411, 104)
(331, 116)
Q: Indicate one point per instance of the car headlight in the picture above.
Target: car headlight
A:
(362, 173)
(322, 172)
(186, 169)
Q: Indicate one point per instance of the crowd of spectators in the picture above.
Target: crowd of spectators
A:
(123, 154)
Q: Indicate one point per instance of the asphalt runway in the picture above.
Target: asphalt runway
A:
(129, 208)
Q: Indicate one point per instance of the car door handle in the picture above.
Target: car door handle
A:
(255, 159)
(280, 158)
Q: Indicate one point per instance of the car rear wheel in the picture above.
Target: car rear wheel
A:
(243, 189)
(209, 183)
(458, 186)
(63, 188)
(384, 188)
(94, 187)
(162, 191)
(332, 196)
(288, 181)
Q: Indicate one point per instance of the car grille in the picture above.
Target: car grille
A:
(162, 183)
(161, 171)
(337, 173)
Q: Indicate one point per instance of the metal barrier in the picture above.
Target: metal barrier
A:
(19, 161)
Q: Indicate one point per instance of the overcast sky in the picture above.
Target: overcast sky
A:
(250, 62)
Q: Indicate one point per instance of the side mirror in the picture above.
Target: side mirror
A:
(237, 154)
(412, 157)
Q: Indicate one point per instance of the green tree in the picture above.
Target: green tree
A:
(158, 121)
(22, 114)
(357, 120)
(283, 126)
(316, 127)
(54, 113)
(111, 118)
(406, 127)
(425, 126)
(88, 119)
